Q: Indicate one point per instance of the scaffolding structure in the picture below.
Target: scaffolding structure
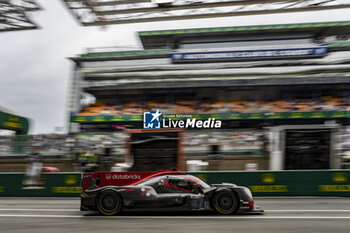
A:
(104, 12)
(15, 15)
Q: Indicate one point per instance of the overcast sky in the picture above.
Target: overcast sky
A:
(35, 72)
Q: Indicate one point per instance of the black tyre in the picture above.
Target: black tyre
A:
(109, 202)
(225, 202)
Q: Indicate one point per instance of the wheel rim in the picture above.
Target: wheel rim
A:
(225, 202)
(109, 203)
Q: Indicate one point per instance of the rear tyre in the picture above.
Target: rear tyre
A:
(109, 202)
(225, 202)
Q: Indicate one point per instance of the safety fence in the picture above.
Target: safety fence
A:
(261, 183)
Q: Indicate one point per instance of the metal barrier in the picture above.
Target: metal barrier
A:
(286, 183)
(261, 183)
(63, 184)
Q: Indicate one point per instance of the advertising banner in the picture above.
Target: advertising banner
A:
(261, 183)
(286, 183)
(13, 122)
(237, 55)
(219, 116)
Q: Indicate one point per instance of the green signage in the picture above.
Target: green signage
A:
(13, 122)
(338, 44)
(221, 116)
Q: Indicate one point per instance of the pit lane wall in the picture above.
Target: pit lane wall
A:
(286, 183)
(261, 183)
(63, 184)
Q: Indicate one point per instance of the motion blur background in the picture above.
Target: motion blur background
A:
(281, 89)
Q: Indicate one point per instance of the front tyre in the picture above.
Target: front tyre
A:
(225, 202)
(109, 202)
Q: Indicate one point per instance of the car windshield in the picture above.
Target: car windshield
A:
(193, 179)
(196, 180)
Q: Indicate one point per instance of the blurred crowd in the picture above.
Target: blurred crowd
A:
(226, 138)
(90, 151)
(72, 147)
(327, 103)
(64, 143)
(192, 140)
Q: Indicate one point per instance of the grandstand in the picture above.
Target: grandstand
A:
(326, 103)
(255, 77)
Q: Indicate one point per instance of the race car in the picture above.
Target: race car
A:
(112, 192)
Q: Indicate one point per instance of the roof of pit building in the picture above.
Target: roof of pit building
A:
(162, 36)
(319, 28)
(272, 27)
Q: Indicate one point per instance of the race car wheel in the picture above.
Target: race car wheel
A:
(109, 202)
(225, 202)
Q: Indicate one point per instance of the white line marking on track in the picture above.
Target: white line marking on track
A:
(49, 210)
(175, 217)
(301, 197)
(307, 210)
(77, 210)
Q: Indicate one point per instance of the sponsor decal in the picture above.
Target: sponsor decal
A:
(334, 188)
(123, 177)
(73, 189)
(70, 179)
(12, 124)
(338, 178)
(198, 204)
(268, 188)
(13, 118)
(152, 120)
(268, 178)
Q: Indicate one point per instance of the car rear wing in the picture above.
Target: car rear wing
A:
(94, 180)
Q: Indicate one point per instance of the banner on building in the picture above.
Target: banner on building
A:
(241, 55)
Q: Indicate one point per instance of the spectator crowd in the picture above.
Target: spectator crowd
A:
(234, 106)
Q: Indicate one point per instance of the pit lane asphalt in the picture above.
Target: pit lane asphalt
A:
(290, 214)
